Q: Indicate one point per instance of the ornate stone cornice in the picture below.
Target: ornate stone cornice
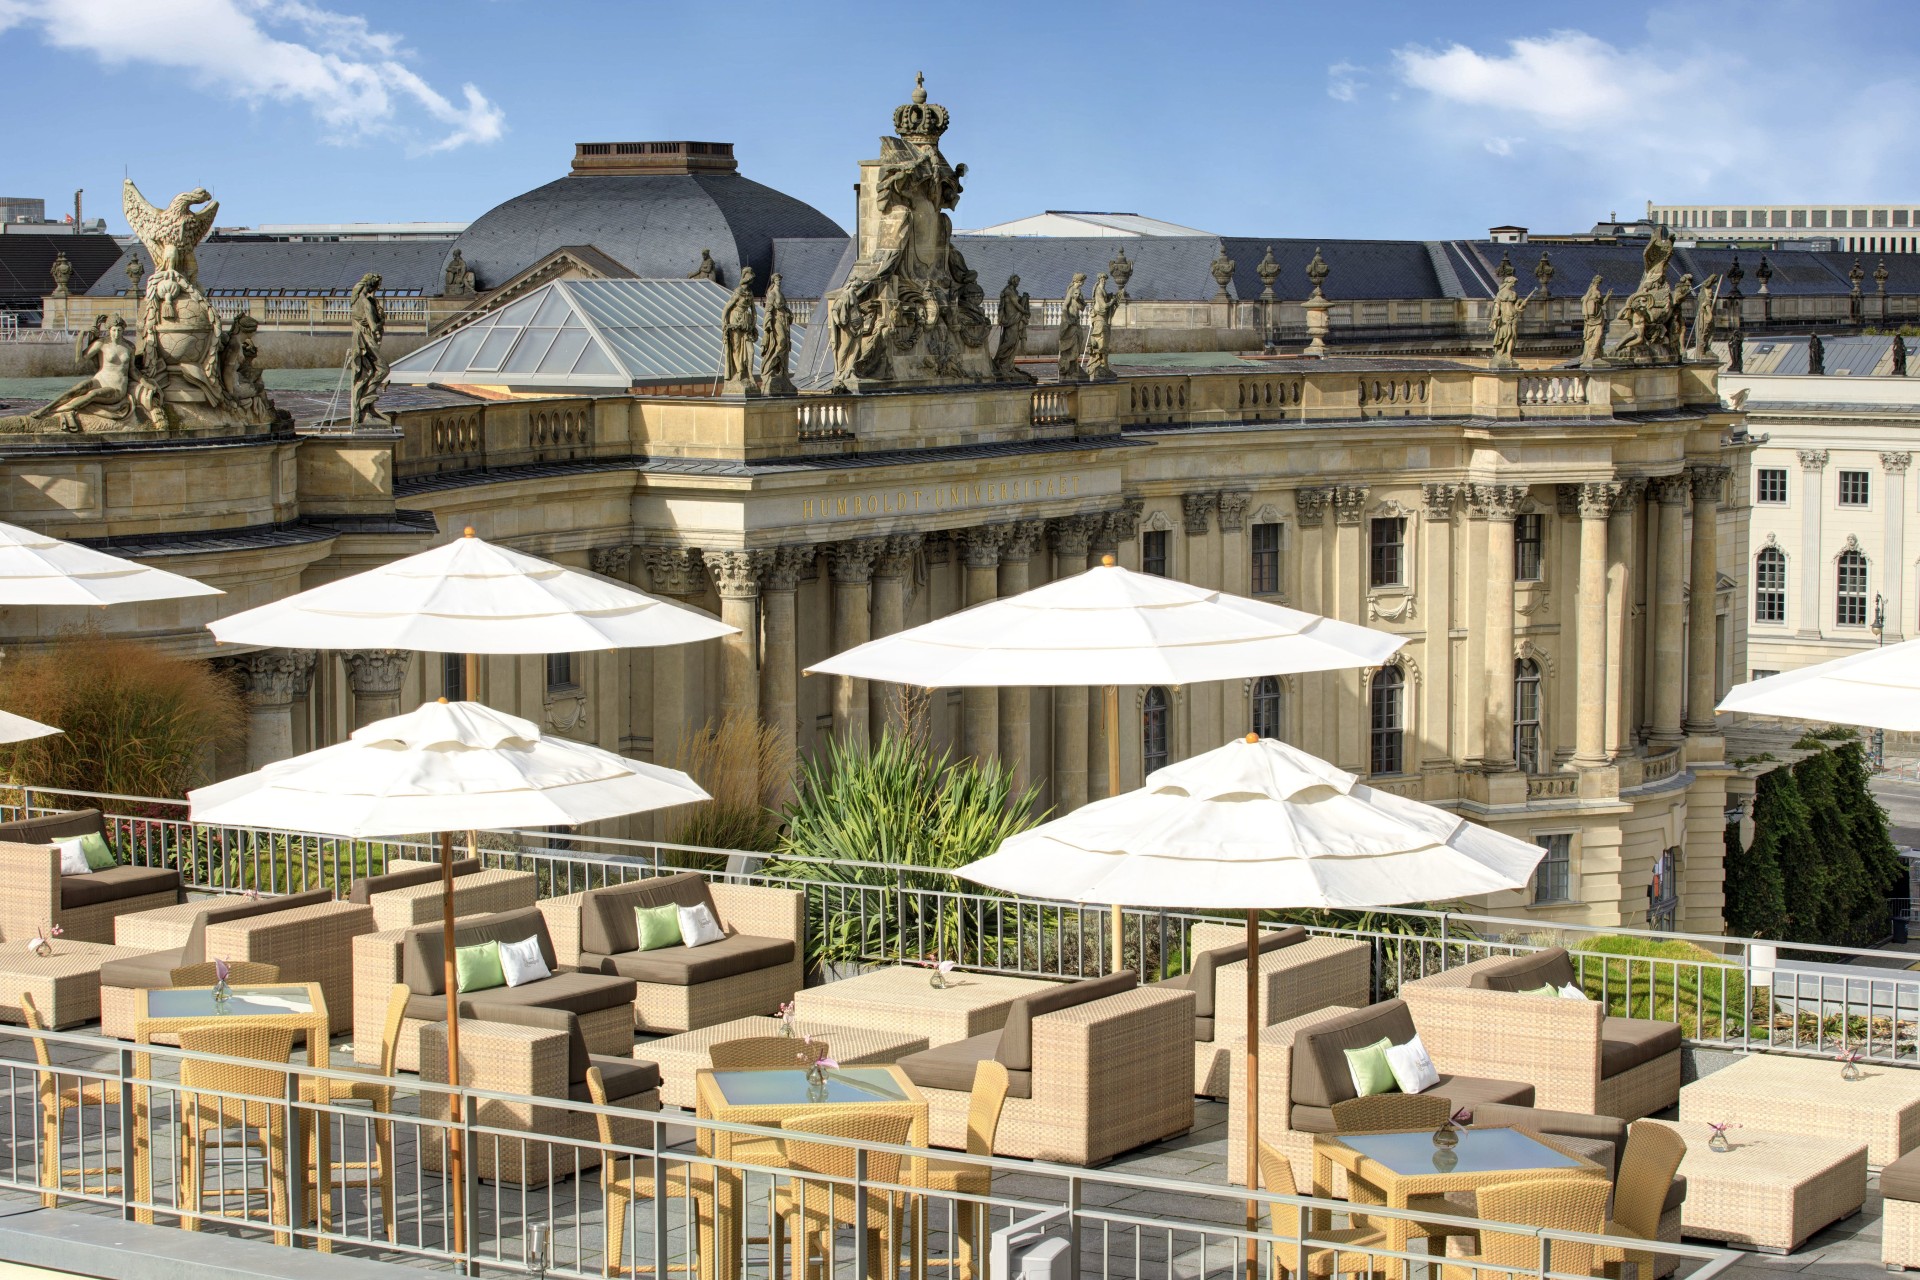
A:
(375, 672)
(852, 561)
(1497, 501)
(1023, 536)
(1439, 499)
(1896, 461)
(896, 554)
(1312, 502)
(1813, 459)
(1669, 490)
(1349, 503)
(673, 571)
(1706, 479)
(736, 571)
(980, 545)
(274, 677)
(788, 566)
(1198, 508)
(1070, 536)
(1233, 509)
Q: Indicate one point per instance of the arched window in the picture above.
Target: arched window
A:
(1770, 585)
(1526, 715)
(1266, 706)
(1153, 730)
(1387, 704)
(1850, 589)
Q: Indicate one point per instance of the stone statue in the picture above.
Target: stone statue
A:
(1816, 356)
(108, 393)
(62, 271)
(776, 343)
(1736, 351)
(151, 378)
(1703, 317)
(708, 269)
(739, 327)
(458, 280)
(1593, 322)
(1504, 322)
(1899, 356)
(1100, 331)
(135, 270)
(1072, 341)
(1647, 312)
(1677, 317)
(240, 378)
(911, 312)
(368, 367)
(1016, 313)
(1221, 269)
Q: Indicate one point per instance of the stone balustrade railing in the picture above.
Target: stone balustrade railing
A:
(1052, 406)
(1554, 389)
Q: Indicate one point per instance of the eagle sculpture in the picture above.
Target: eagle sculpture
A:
(170, 234)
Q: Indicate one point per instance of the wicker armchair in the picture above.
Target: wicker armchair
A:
(715, 1199)
(1640, 1194)
(376, 1170)
(1558, 1204)
(56, 1100)
(1341, 1251)
(1900, 1213)
(34, 893)
(1391, 1113)
(239, 972)
(766, 1053)
(813, 1205)
(969, 1215)
(208, 1110)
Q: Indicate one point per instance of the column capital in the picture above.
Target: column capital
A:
(1198, 508)
(980, 545)
(274, 677)
(736, 571)
(1813, 459)
(1071, 535)
(1497, 501)
(788, 565)
(1312, 502)
(1233, 509)
(1595, 499)
(611, 562)
(1022, 537)
(1349, 503)
(1669, 490)
(852, 561)
(1121, 524)
(1439, 499)
(1626, 496)
(1896, 462)
(896, 554)
(673, 571)
(375, 672)
(1706, 478)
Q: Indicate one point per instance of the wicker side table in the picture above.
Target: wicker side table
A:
(1782, 1094)
(679, 1057)
(65, 986)
(163, 928)
(1771, 1190)
(902, 999)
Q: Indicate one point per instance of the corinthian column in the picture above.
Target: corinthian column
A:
(1668, 669)
(1069, 537)
(980, 708)
(1501, 502)
(270, 679)
(736, 576)
(1595, 503)
(779, 661)
(1702, 668)
(673, 699)
(375, 676)
(851, 564)
(1620, 656)
(890, 568)
(1016, 701)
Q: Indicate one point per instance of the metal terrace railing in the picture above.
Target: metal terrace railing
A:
(1726, 993)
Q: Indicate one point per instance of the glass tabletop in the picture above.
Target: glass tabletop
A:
(1479, 1151)
(197, 1002)
(787, 1087)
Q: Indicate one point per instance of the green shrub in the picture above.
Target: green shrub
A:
(1670, 980)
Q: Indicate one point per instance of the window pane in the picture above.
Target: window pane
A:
(1266, 707)
(1552, 877)
(1850, 601)
(1387, 561)
(1854, 488)
(1153, 552)
(1771, 484)
(1266, 559)
(453, 676)
(1153, 730)
(1388, 725)
(1529, 534)
(1770, 586)
(560, 671)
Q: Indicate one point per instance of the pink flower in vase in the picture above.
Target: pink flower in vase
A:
(829, 1064)
(946, 966)
(1461, 1118)
(57, 931)
(1720, 1127)
(1848, 1056)
(220, 970)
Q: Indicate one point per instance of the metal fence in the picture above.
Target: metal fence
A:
(1731, 993)
(535, 1198)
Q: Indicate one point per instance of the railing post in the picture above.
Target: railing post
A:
(1546, 1257)
(126, 1109)
(1073, 1226)
(862, 1258)
(662, 1201)
(298, 1150)
(470, 1174)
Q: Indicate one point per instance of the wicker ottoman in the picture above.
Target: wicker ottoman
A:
(1806, 1095)
(1900, 1213)
(163, 928)
(678, 1057)
(65, 986)
(1772, 1190)
(902, 999)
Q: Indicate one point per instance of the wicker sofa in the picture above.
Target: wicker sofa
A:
(1479, 1019)
(410, 893)
(1303, 1072)
(753, 970)
(34, 893)
(1298, 974)
(308, 936)
(1095, 1068)
(1900, 1216)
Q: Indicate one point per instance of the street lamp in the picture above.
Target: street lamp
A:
(1878, 751)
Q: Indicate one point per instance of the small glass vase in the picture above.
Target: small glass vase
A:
(816, 1076)
(1849, 1071)
(1445, 1159)
(222, 994)
(786, 1028)
(938, 981)
(1718, 1142)
(42, 948)
(1446, 1137)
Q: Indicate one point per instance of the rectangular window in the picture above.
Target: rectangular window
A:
(560, 672)
(1719, 217)
(1386, 738)
(1758, 674)
(1879, 217)
(1553, 876)
(1770, 586)
(453, 676)
(1859, 217)
(1799, 217)
(1819, 217)
(1153, 552)
(1387, 546)
(1850, 594)
(1739, 217)
(1266, 559)
(1899, 217)
(1770, 484)
(1529, 537)
(1854, 489)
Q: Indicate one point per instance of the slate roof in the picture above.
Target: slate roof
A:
(326, 266)
(656, 224)
(26, 263)
(806, 266)
(1857, 355)
(1359, 269)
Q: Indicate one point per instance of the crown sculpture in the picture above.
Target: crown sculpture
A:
(181, 372)
(911, 313)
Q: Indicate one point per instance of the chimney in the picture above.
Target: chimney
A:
(76, 207)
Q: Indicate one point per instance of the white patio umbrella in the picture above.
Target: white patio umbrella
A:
(15, 728)
(1111, 626)
(1879, 689)
(1256, 822)
(36, 568)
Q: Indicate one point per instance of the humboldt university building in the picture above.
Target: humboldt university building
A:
(1562, 545)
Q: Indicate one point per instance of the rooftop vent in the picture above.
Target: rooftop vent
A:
(653, 157)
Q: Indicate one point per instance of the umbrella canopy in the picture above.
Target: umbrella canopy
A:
(38, 569)
(445, 766)
(1257, 824)
(1879, 689)
(1111, 626)
(470, 596)
(15, 728)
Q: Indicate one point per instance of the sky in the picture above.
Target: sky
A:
(1424, 119)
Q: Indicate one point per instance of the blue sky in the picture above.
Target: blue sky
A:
(1357, 119)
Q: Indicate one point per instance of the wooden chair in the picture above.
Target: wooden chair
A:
(624, 1180)
(1558, 1204)
(1392, 1113)
(969, 1218)
(206, 1117)
(766, 1053)
(813, 1205)
(377, 1092)
(1334, 1251)
(1640, 1190)
(56, 1099)
(239, 973)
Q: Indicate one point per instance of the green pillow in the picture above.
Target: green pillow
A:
(477, 968)
(99, 856)
(1370, 1070)
(659, 926)
(1544, 989)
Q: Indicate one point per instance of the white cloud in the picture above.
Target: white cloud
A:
(1567, 80)
(1501, 146)
(1344, 81)
(353, 78)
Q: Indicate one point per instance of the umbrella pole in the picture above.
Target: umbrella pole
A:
(1113, 789)
(1253, 1085)
(472, 679)
(456, 1164)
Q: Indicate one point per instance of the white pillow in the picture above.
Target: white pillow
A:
(73, 858)
(1572, 991)
(1412, 1068)
(698, 927)
(521, 962)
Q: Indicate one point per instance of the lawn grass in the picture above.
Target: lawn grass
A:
(1673, 981)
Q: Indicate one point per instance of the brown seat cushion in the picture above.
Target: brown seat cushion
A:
(607, 926)
(1320, 1075)
(239, 907)
(1626, 1043)
(1676, 1194)
(423, 963)
(1901, 1179)
(690, 966)
(1016, 1043)
(624, 1077)
(568, 990)
(362, 891)
(148, 972)
(951, 1066)
(53, 826)
(116, 884)
(1569, 1124)
(1527, 972)
(1472, 1092)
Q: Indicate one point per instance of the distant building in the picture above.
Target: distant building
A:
(1084, 223)
(1854, 228)
(334, 232)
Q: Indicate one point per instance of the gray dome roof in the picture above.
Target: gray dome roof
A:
(654, 224)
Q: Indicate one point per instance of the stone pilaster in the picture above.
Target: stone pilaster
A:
(1016, 701)
(851, 565)
(375, 677)
(1703, 669)
(1347, 601)
(1893, 585)
(1621, 659)
(1501, 504)
(1071, 538)
(1667, 673)
(1594, 502)
(736, 576)
(979, 549)
(1233, 509)
(270, 681)
(675, 686)
(1813, 465)
(779, 658)
(1438, 501)
(886, 703)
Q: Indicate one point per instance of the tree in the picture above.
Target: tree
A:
(1832, 887)
(1884, 873)
(1756, 884)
